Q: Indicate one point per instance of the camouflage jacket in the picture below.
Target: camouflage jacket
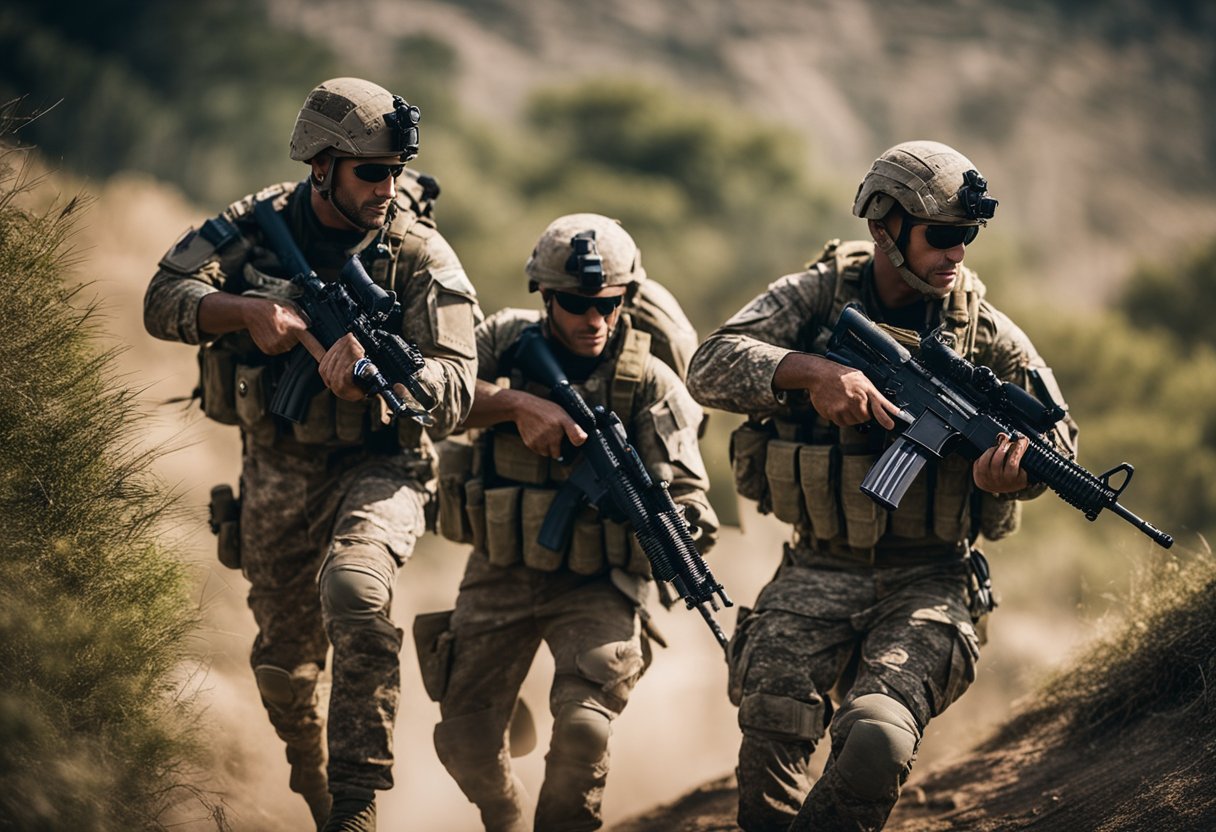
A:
(733, 369)
(662, 420)
(438, 302)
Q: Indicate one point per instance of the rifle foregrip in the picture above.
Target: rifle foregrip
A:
(1075, 485)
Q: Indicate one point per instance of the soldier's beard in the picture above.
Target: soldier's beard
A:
(367, 217)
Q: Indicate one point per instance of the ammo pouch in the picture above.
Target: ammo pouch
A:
(217, 379)
(748, 447)
(506, 523)
(998, 518)
(225, 520)
(455, 471)
(433, 639)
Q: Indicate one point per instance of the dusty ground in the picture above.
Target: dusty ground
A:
(1156, 776)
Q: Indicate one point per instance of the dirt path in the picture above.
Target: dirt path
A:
(1156, 776)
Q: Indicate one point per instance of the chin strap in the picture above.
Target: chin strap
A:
(888, 247)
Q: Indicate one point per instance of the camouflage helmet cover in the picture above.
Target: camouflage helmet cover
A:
(584, 252)
(930, 180)
(353, 117)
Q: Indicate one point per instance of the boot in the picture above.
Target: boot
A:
(353, 811)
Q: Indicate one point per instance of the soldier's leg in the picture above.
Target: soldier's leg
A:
(595, 635)
(379, 519)
(280, 560)
(915, 662)
(783, 666)
(494, 641)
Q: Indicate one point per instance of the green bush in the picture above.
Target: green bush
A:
(94, 611)
(1178, 297)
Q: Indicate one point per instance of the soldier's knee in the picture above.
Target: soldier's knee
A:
(348, 593)
(781, 717)
(283, 690)
(877, 739)
(581, 733)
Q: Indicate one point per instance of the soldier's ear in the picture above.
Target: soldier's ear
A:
(879, 232)
(320, 165)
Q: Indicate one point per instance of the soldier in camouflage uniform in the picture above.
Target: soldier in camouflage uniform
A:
(876, 608)
(588, 601)
(331, 507)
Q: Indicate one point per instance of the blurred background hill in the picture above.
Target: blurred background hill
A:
(729, 139)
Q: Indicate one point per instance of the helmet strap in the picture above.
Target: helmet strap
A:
(895, 253)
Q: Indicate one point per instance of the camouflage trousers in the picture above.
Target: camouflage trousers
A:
(322, 539)
(593, 630)
(899, 639)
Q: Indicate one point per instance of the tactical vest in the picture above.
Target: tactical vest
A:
(237, 380)
(808, 472)
(501, 508)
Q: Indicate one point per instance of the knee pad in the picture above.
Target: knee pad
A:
(353, 594)
(781, 717)
(581, 733)
(876, 746)
(470, 746)
(283, 689)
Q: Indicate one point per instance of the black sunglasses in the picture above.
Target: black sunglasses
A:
(949, 236)
(376, 172)
(579, 304)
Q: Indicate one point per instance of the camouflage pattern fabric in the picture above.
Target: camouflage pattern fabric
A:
(303, 518)
(438, 302)
(827, 625)
(733, 369)
(344, 511)
(502, 615)
(591, 624)
(904, 632)
(663, 425)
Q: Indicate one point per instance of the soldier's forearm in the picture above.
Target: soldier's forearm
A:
(493, 405)
(221, 312)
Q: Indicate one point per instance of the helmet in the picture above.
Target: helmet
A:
(353, 117)
(929, 180)
(584, 252)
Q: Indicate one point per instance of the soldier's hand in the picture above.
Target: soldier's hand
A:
(544, 424)
(274, 325)
(337, 368)
(845, 396)
(998, 470)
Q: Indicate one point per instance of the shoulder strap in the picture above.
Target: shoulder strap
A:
(630, 369)
(850, 259)
(844, 262)
(961, 313)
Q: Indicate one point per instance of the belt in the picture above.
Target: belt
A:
(837, 552)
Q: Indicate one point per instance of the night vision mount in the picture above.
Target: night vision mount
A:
(973, 195)
(403, 121)
(585, 262)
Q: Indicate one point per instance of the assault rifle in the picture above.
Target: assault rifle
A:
(351, 304)
(610, 475)
(947, 403)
